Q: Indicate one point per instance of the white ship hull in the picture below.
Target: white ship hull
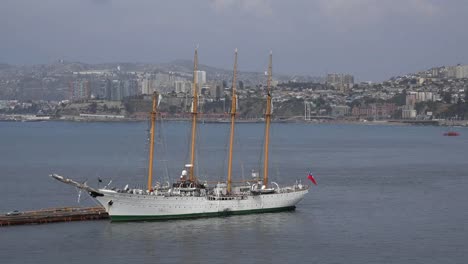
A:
(128, 207)
(188, 198)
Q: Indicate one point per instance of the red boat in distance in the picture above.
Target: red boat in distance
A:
(451, 134)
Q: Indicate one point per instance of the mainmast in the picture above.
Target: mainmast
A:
(267, 121)
(152, 132)
(194, 114)
(233, 117)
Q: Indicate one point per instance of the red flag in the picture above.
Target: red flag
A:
(311, 178)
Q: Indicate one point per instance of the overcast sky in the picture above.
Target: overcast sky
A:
(372, 39)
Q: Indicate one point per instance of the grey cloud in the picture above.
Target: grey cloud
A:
(372, 39)
(101, 1)
(256, 7)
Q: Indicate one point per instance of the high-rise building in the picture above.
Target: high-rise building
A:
(108, 89)
(340, 81)
(218, 92)
(451, 71)
(408, 112)
(162, 80)
(333, 78)
(411, 98)
(348, 81)
(130, 88)
(148, 85)
(457, 72)
(415, 97)
(461, 71)
(206, 89)
(215, 90)
(182, 86)
(80, 89)
(201, 78)
(116, 90)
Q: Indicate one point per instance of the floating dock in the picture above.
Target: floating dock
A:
(53, 215)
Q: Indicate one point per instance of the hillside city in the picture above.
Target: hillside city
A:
(78, 91)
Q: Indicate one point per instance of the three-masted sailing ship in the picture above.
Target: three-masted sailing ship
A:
(188, 197)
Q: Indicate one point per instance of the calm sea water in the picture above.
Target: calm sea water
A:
(386, 194)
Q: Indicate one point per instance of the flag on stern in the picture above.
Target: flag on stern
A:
(311, 178)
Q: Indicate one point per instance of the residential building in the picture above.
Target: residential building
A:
(148, 85)
(408, 112)
(201, 78)
(340, 81)
(340, 110)
(182, 86)
(80, 89)
(457, 72)
(385, 110)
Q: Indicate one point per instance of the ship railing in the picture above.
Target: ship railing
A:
(226, 197)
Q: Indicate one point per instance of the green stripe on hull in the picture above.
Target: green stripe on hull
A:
(121, 218)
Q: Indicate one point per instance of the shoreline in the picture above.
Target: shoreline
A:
(390, 122)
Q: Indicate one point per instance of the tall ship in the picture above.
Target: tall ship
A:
(188, 197)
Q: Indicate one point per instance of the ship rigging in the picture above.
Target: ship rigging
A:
(187, 197)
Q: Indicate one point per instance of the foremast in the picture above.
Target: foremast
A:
(268, 112)
(233, 118)
(194, 116)
(153, 114)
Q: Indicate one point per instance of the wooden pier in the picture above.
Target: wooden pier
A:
(53, 215)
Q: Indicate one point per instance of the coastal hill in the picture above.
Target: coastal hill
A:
(72, 88)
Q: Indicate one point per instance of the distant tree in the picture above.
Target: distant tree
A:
(354, 103)
(115, 110)
(420, 107)
(399, 99)
(447, 97)
(214, 107)
(320, 102)
(370, 100)
(459, 109)
(92, 107)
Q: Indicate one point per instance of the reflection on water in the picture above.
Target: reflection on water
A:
(196, 239)
(385, 194)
